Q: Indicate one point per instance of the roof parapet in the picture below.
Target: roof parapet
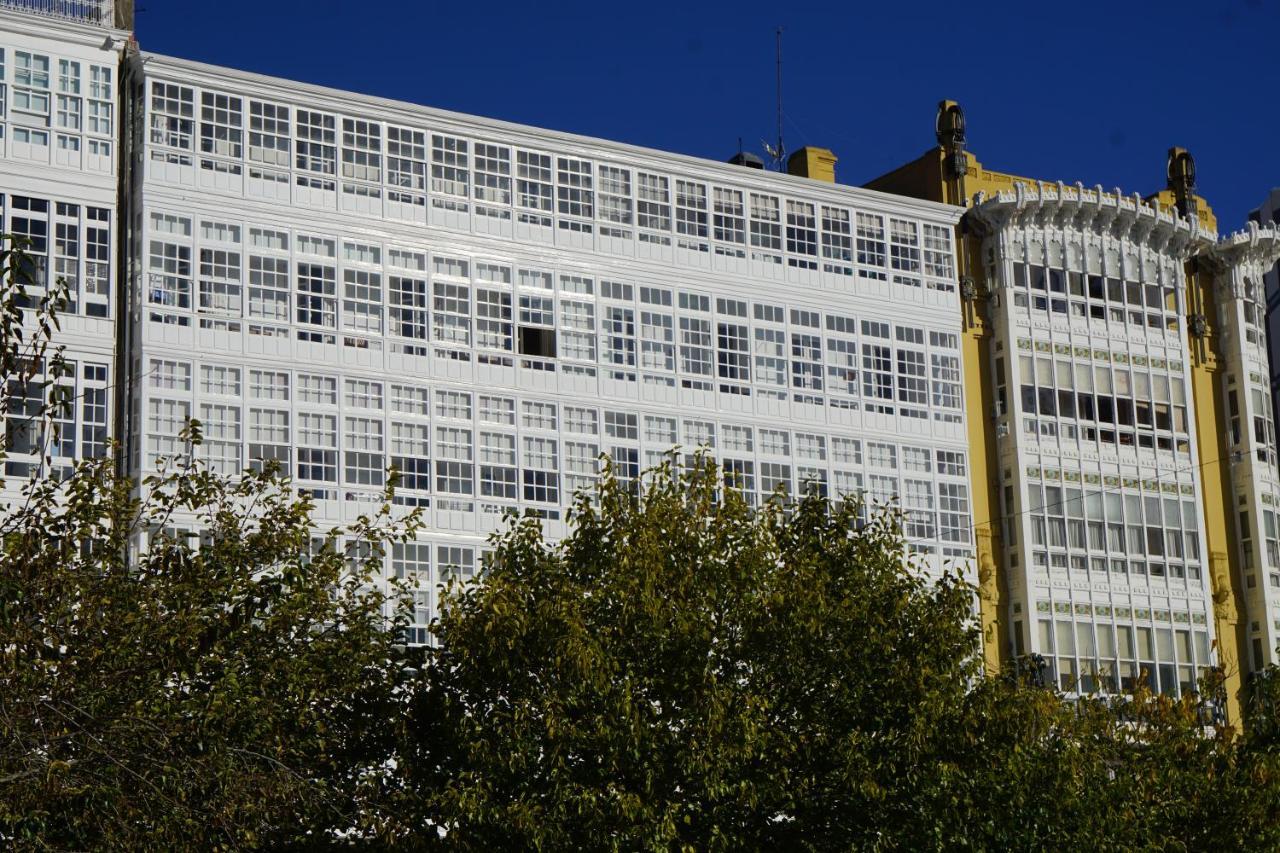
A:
(1253, 244)
(1044, 203)
(101, 13)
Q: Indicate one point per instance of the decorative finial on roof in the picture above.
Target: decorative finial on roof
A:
(1181, 181)
(949, 130)
(949, 127)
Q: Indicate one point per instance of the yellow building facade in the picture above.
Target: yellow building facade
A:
(1124, 480)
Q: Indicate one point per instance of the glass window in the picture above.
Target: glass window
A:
(730, 218)
(493, 174)
(837, 240)
(316, 145)
(533, 181)
(268, 133)
(410, 400)
(220, 125)
(362, 301)
(449, 171)
(361, 150)
(406, 158)
(871, 245)
(574, 190)
(172, 115)
(614, 195)
(691, 212)
(802, 232)
(653, 202)
(766, 223)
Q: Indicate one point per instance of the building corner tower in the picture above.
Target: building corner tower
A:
(1117, 385)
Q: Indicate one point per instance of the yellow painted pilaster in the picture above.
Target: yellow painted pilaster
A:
(927, 178)
(980, 402)
(1215, 483)
(985, 482)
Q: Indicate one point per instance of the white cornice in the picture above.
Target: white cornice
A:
(349, 103)
(1061, 206)
(1255, 245)
(44, 181)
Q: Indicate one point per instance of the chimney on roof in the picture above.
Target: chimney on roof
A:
(123, 15)
(816, 163)
(746, 158)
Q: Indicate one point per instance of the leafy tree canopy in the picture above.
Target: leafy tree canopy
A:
(683, 671)
(687, 672)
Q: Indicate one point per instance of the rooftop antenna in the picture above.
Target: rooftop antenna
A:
(776, 154)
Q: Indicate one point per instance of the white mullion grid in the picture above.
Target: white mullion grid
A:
(499, 146)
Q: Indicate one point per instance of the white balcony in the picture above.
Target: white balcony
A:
(98, 12)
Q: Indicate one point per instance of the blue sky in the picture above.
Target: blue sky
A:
(1085, 90)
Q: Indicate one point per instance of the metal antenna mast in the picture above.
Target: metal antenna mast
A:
(781, 150)
(776, 154)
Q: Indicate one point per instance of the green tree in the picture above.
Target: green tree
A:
(220, 690)
(685, 672)
(1147, 772)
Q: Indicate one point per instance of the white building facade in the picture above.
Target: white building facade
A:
(1237, 265)
(347, 285)
(1100, 491)
(1101, 474)
(344, 284)
(1268, 213)
(58, 195)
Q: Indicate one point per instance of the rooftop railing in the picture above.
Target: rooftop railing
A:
(99, 12)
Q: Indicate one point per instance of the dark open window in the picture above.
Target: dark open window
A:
(1048, 405)
(1085, 402)
(537, 342)
(1029, 399)
(1066, 404)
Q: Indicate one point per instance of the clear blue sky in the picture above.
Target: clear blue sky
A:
(1077, 90)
